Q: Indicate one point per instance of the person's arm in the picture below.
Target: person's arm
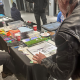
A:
(22, 19)
(64, 65)
(65, 59)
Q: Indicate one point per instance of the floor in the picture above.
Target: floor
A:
(30, 17)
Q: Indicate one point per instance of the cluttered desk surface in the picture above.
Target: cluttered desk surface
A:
(27, 47)
(32, 36)
(29, 51)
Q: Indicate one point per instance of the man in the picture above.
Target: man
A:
(66, 62)
(39, 11)
(15, 13)
(7, 63)
(1, 8)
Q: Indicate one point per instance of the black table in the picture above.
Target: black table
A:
(28, 70)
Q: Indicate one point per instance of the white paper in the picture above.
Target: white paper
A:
(44, 48)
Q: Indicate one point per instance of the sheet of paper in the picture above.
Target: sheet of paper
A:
(44, 48)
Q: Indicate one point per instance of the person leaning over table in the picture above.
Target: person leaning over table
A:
(66, 62)
(8, 64)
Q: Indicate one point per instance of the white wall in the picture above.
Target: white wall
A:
(10, 3)
(7, 8)
(24, 2)
(51, 7)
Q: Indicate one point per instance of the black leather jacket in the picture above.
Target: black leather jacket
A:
(64, 64)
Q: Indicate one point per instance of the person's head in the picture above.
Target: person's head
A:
(66, 5)
(13, 4)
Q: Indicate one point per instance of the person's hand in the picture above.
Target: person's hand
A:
(38, 58)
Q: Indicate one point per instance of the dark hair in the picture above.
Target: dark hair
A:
(13, 4)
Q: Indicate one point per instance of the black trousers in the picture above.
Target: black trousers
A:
(43, 17)
(7, 61)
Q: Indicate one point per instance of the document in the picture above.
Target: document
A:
(44, 48)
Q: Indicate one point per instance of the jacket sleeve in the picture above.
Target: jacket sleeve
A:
(65, 62)
(45, 4)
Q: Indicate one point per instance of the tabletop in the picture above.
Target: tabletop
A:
(30, 70)
(23, 62)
